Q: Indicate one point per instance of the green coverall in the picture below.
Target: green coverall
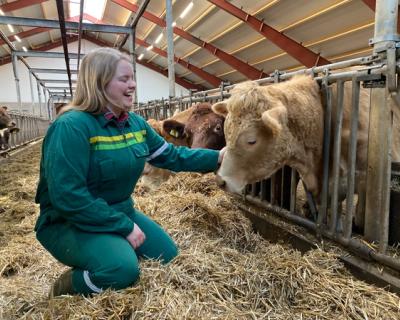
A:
(89, 168)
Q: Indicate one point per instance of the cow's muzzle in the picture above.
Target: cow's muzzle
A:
(220, 182)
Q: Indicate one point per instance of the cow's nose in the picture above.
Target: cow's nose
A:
(220, 182)
(13, 124)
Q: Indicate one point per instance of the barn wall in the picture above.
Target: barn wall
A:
(151, 85)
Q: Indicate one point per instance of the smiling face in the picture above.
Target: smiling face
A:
(121, 87)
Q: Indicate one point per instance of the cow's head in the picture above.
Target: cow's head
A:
(5, 119)
(203, 129)
(258, 140)
(5, 137)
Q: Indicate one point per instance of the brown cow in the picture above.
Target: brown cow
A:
(282, 124)
(7, 127)
(196, 127)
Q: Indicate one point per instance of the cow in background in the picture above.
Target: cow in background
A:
(7, 127)
(282, 124)
(196, 127)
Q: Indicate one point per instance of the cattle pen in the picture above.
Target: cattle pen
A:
(274, 251)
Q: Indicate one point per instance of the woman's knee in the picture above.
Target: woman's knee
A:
(120, 276)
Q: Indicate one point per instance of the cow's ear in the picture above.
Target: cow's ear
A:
(274, 119)
(174, 128)
(220, 108)
(4, 107)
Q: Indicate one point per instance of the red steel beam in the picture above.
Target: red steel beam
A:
(184, 83)
(26, 34)
(293, 48)
(372, 5)
(210, 78)
(45, 47)
(19, 4)
(244, 68)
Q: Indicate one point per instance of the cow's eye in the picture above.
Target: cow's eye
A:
(218, 127)
(252, 142)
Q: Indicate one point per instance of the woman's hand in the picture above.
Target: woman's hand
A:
(221, 155)
(136, 237)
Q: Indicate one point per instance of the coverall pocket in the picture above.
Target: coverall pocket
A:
(107, 170)
(141, 150)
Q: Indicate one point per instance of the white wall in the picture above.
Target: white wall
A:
(151, 85)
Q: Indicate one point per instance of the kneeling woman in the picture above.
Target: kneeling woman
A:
(92, 157)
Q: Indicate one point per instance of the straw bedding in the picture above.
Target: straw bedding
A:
(224, 271)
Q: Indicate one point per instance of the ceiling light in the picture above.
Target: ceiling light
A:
(10, 27)
(2, 12)
(17, 38)
(149, 48)
(159, 38)
(186, 10)
(174, 23)
(25, 49)
(140, 56)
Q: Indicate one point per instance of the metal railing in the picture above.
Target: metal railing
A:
(30, 127)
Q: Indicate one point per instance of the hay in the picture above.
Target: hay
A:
(224, 270)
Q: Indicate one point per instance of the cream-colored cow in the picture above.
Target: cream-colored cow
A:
(267, 127)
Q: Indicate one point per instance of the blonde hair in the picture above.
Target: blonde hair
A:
(96, 71)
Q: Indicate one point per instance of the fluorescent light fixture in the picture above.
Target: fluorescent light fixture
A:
(159, 38)
(140, 56)
(2, 12)
(174, 23)
(10, 27)
(25, 49)
(149, 48)
(186, 10)
(17, 38)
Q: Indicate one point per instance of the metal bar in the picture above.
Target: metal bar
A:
(385, 24)
(387, 172)
(69, 25)
(327, 101)
(61, 18)
(352, 155)
(181, 81)
(82, 3)
(55, 88)
(244, 68)
(132, 50)
(55, 81)
(43, 70)
(45, 54)
(135, 21)
(337, 143)
(293, 190)
(354, 245)
(170, 48)
(293, 48)
(210, 78)
(346, 75)
(15, 70)
(40, 99)
(32, 95)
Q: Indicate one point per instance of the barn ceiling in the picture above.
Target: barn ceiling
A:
(216, 39)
